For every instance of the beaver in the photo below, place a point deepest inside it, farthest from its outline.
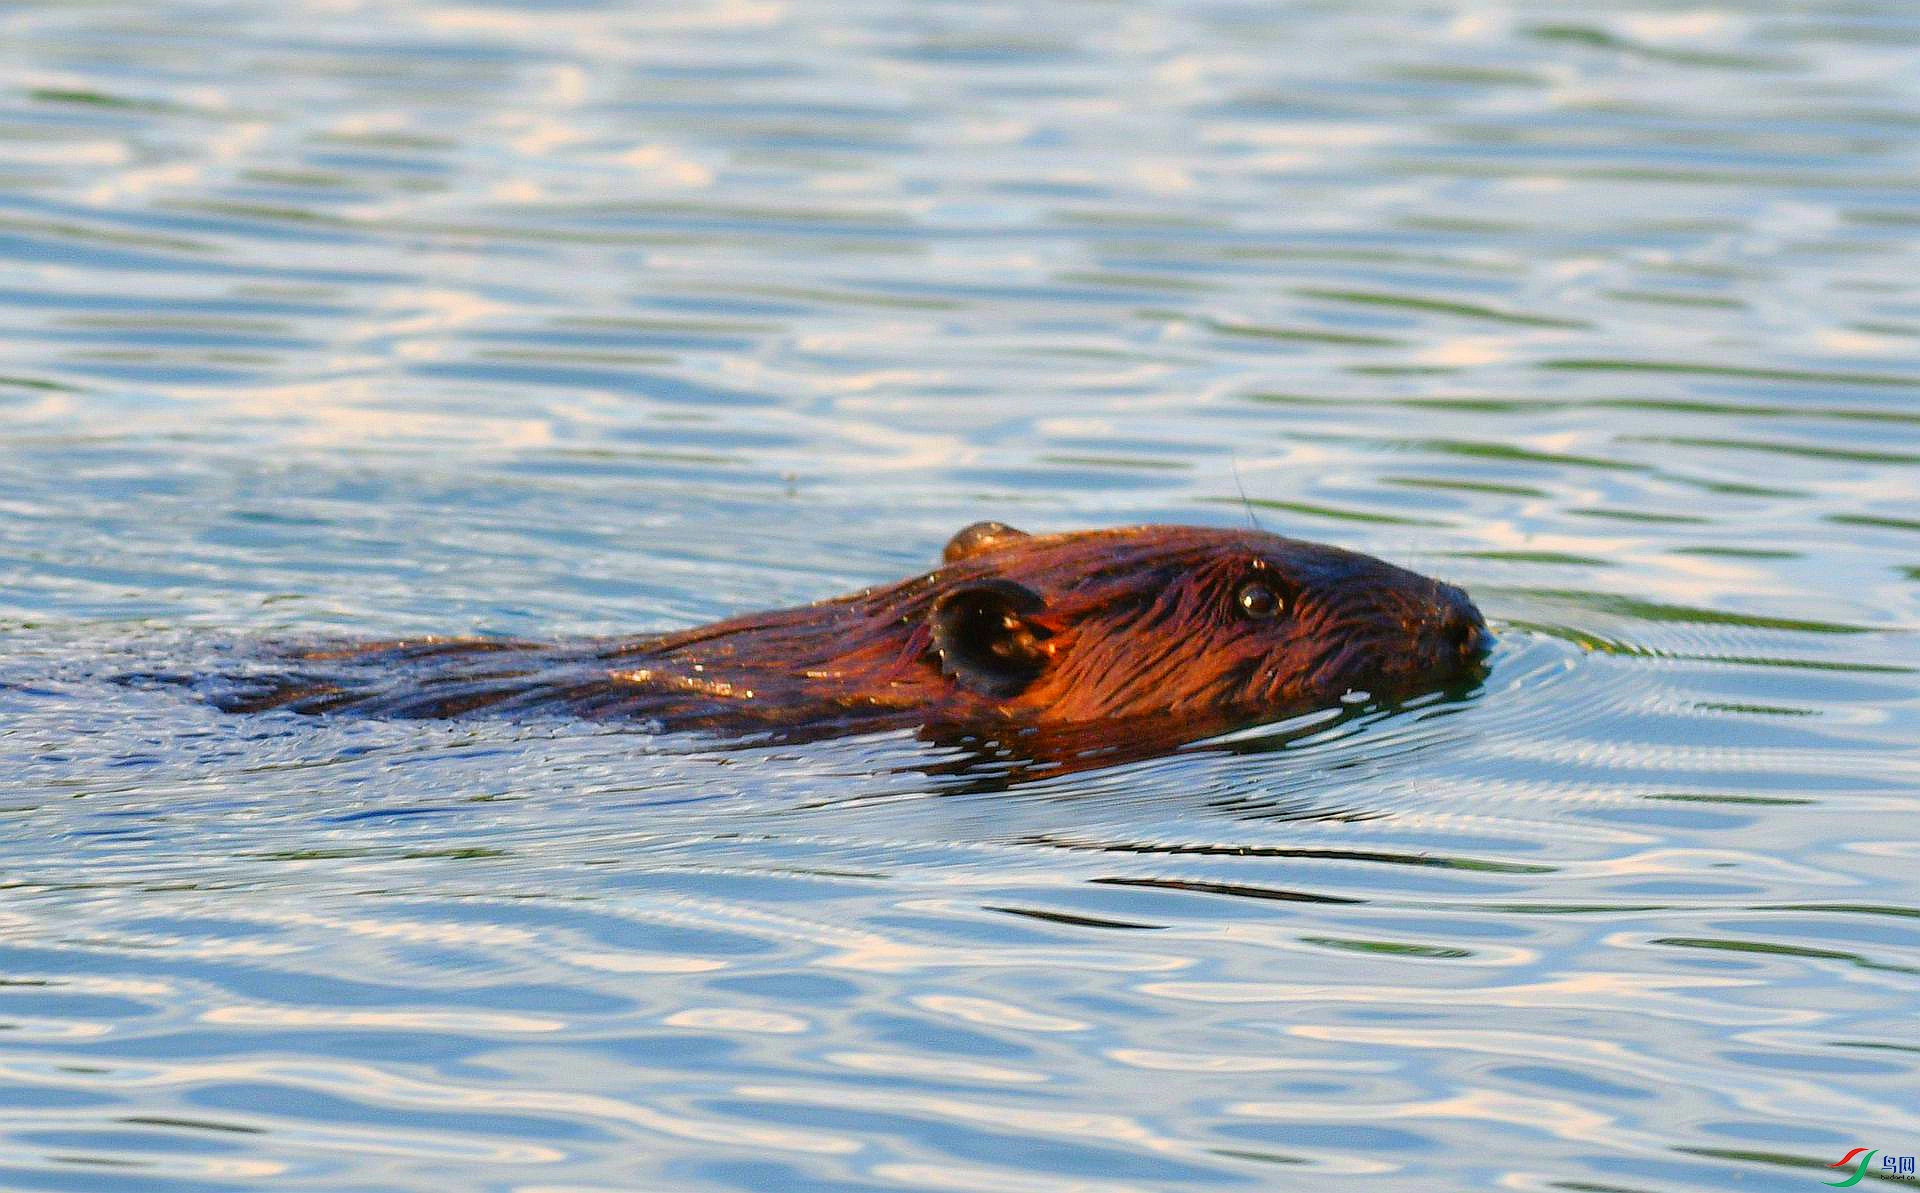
(1175, 626)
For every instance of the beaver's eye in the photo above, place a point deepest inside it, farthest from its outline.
(1257, 600)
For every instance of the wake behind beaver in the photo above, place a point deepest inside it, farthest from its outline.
(1171, 632)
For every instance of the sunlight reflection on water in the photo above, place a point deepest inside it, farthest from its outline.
(557, 319)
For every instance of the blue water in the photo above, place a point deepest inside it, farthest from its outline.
(550, 319)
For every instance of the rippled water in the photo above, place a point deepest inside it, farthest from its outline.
(552, 319)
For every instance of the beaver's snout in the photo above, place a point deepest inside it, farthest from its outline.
(1456, 633)
(1474, 641)
(1462, 631)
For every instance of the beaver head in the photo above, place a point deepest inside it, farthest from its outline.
(1183, 620)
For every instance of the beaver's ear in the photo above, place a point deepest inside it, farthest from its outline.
(986, 638)
(981, 536)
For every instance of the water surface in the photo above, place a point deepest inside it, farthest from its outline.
(548, 319)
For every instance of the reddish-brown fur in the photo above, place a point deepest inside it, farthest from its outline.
(1145, 624)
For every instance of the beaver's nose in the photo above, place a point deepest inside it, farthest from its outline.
(1474, 640)
(1462, 626)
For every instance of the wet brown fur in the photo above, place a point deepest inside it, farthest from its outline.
(1115, 626)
